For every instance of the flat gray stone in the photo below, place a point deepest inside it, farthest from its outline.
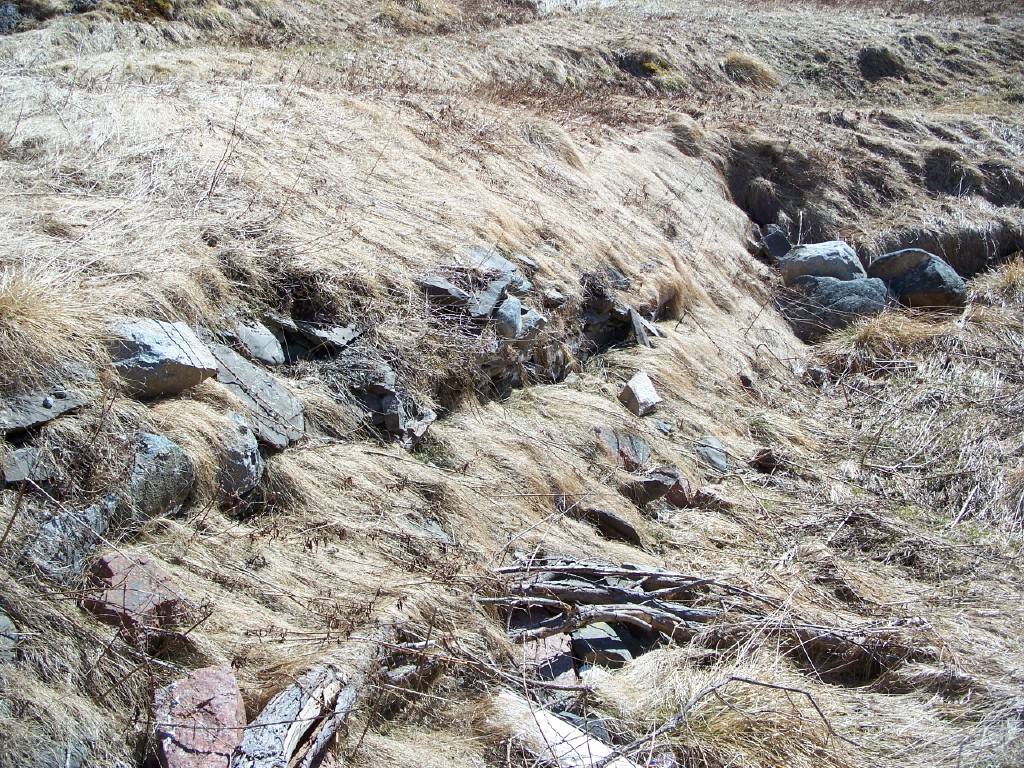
(328, 338)
(241, 466)
(158, 359)
(642, 330)
(532, 323)
(64, 543)
(711, 450)
(28, 464)
(601, 645)
(483, 304)
(610, 525)
(259, 343)
(553, 298)
(776, 243)
(8, 639)
(651, 486)
(629, 451)
(440, 291)
(508, 321)
(276, 416)
(639, 395)
(36, 408)
(833, 259)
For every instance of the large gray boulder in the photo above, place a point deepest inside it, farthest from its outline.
(817, 306)
(276, 416)
(159, 483)
(833, 259)
(157, 359)
(920, 279)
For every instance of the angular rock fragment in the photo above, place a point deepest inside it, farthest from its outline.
(33, 409)
(833, 259)
(259, 343)
(199, 719)
(532, 323)
(553, 298)
(276, 415)
(650, 487)
(508, 321)
(776, 244)
(639, 395)
(817, 306)
(602, 645)
(610, 525)
(628, 450)
(8, 639)
(157, 359)
(134, 593)
(325, 338)
(550, 659)
(712, 452)
(441, 292)
(642, 330)
(483, 304)
(241, 466)
(920, 279)
(29, 464)
(64, 543)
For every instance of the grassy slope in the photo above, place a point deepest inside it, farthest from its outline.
(191, 170)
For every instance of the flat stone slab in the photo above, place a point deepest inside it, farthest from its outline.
(28, 464)
(158, 359)
(601, 645)
(276, 416)
(199, 719)
(639, 395)
(629, 451)
(33, 409)
(711, 450)
(650, 487)
(611, 525)
(133, 592)
(259, 343)
(8, 639)
(332, 338)
(440, 291)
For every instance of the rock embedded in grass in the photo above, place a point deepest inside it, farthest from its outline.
(775, 243)
(920, 279)
(134, 593)
(200, 719)
(832, 259)
(639, 395)
(816, 306)
(711, 450)
(8, 639)
(630, 451)
(880, 61)
(259, 343)
(241, 466)
(33, 409)
(159, 359)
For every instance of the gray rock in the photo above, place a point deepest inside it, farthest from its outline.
(275, 414)
(610, 525)
(160, 481)
(259, 343)
(241, 467)
(640, 327)
(33, 409)
(878, 61)
(776, 243)
(28, 464)
(156, 359)
(9, 18)
(8, 639)
(650, 487)
(712, 452)
(532, 323)
(489, 260)
(833, 259)
(381, 380)
(602, 645)
(440, 291)
(639, 395)
(920, 279)
(816, 306)
(327, 338)
(508, 321)
(553, 298)
(483, 304)
(664, 427)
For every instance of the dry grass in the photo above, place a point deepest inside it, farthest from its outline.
(744, 69)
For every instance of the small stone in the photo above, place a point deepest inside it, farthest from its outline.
(601, 645)
(650, 487)
(327, 339)
(664, 427)
(440, 291)
(682, 496)
(508, 321)
(199, 719)
(766, 460)
(550, 659)
(776, 243)
(483, 304)
(8, 639)
(33, 409)
(833, 259)
(639, 395)
(158, 359)
(28, 465)
(259, 343)
(617, 279)
(532, 323)
(64, 542)
(553, 298)
(133, 592)
(628, 450)
(639, 329)
(276, 416)
(711, 450)
(160, 482)
(610, 525)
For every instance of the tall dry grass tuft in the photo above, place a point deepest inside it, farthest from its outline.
(882, 342)
(744, 69)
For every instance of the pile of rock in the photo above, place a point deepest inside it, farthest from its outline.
(828, 288)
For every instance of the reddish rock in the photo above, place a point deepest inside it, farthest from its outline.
(628, 450)
(199, 719)
(133, 592)
(551, 659)
(683, 496)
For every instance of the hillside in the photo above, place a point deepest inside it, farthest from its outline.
(315, 319)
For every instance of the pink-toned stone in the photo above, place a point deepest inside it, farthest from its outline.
(551, 659)
(133, 592)
(199, 719)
